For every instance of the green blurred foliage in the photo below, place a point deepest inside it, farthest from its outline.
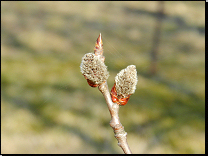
(47, 105)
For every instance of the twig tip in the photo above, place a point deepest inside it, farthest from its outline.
(98, 50)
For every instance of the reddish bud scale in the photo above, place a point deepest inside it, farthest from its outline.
(91, 83)
(117, 99)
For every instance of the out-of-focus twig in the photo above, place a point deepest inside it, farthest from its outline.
(156, 38)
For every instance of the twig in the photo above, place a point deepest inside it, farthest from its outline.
(115, 123)
(95, 72)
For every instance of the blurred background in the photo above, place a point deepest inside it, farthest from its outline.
(47, 105)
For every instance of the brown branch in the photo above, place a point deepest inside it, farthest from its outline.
(115, 123)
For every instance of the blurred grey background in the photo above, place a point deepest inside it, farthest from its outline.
(47, 105)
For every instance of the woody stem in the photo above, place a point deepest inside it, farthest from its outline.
(115, 123)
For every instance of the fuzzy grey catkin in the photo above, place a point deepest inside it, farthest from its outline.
(93, 68)
(126, 81)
